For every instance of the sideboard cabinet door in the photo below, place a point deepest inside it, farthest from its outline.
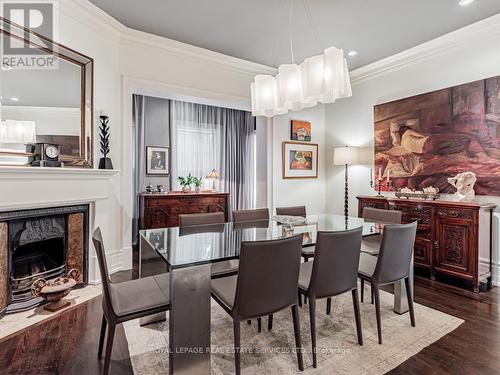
(452, 245)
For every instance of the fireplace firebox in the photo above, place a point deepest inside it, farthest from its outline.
(42, 243)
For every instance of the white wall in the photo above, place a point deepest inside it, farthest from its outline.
(466, 55)
(294, 192)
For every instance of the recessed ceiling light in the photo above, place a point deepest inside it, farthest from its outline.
(465, 2)
(14, 99)
(352, 53)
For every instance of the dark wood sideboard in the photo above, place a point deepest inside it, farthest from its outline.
(162, 210)
(454, 239)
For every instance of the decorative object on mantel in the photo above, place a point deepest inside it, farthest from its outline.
(185, 182)
(427, 193)
(157, 161)
(213, 175)
(104, 162)
(301, 131)
(380, 181)
(160, 188)
(346, 156)
(46, 155)
(464, 183)
(319, 79)
(299, 160)
(54, 290)
(197, 182)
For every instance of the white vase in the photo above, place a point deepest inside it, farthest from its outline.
(186, 189)
(197, 189)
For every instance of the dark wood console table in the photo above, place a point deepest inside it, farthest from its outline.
(453, 238)
(162, 210)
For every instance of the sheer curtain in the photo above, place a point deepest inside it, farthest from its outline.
(205, 138)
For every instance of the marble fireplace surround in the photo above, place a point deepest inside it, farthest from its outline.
(30, 188)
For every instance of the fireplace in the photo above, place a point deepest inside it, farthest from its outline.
(43, 243)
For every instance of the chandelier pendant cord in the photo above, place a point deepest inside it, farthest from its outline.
(290, 30)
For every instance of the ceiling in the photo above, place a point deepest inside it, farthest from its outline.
(257, 30)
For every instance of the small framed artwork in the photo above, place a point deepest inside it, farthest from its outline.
(300, 160)
(301, 131)
(157, 161)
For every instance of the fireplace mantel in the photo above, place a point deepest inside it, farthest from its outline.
(17, 172)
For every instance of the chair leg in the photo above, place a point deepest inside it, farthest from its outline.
(249, 322)
(237, 346)
(259, 325)
(410, 301)
(300, 299)
(101, 338)
(362, 290)
(312, 317)
(270, 322)
(328, 306)
(357, 316)
(376, 294)
(298, 341)
(371, 287)
(109, 348)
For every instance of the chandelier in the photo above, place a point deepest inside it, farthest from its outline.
(319, 79)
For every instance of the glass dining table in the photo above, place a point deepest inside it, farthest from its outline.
(189, 253)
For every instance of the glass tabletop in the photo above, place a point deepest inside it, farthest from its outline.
(195, 245)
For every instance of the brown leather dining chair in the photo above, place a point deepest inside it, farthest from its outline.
(391, 266)
(334, 271)
(371, 244)
(127, 300)
(307, 251)
(220, 269)
(266, 283)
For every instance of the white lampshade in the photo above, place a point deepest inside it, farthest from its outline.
(290, 87)
(346, 155)
(12, 131)
(334, 72)
(313, 70)
(265, 99)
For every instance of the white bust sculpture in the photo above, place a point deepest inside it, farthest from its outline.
(464, 182)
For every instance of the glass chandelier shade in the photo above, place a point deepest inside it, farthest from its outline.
(318, 79)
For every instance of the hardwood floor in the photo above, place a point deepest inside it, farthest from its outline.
(68, 344)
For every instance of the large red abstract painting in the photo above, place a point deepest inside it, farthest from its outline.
(425, 139)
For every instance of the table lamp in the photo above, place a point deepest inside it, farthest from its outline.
(213, 175)
(346, 156)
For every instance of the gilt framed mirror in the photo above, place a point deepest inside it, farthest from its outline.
(46, 97)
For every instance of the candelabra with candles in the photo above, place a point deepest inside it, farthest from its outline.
(380, 181)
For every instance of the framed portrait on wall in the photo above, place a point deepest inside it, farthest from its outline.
(299, 160)
(300, 131)
(157, 161)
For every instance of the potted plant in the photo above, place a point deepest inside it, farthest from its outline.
(197, 182)
(185, 182)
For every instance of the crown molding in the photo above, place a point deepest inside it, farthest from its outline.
(91, 16)
(482, 29)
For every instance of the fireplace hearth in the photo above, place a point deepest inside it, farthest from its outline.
(43, 243)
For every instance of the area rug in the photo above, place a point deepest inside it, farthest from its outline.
(272, 352)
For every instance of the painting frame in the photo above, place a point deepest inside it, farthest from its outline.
(307, 168)
(296, 126)
(162, 167)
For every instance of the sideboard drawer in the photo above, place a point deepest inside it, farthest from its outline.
(455, 213)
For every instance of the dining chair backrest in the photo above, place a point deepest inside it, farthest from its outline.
(291, 211)
(378, 215)
(201, 219)
(268, 277)
(396, 252)
(251, 215)
(336, 262)
(103, 268)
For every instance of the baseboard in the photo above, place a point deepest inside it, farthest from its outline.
(495, 277)
(118, 260)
